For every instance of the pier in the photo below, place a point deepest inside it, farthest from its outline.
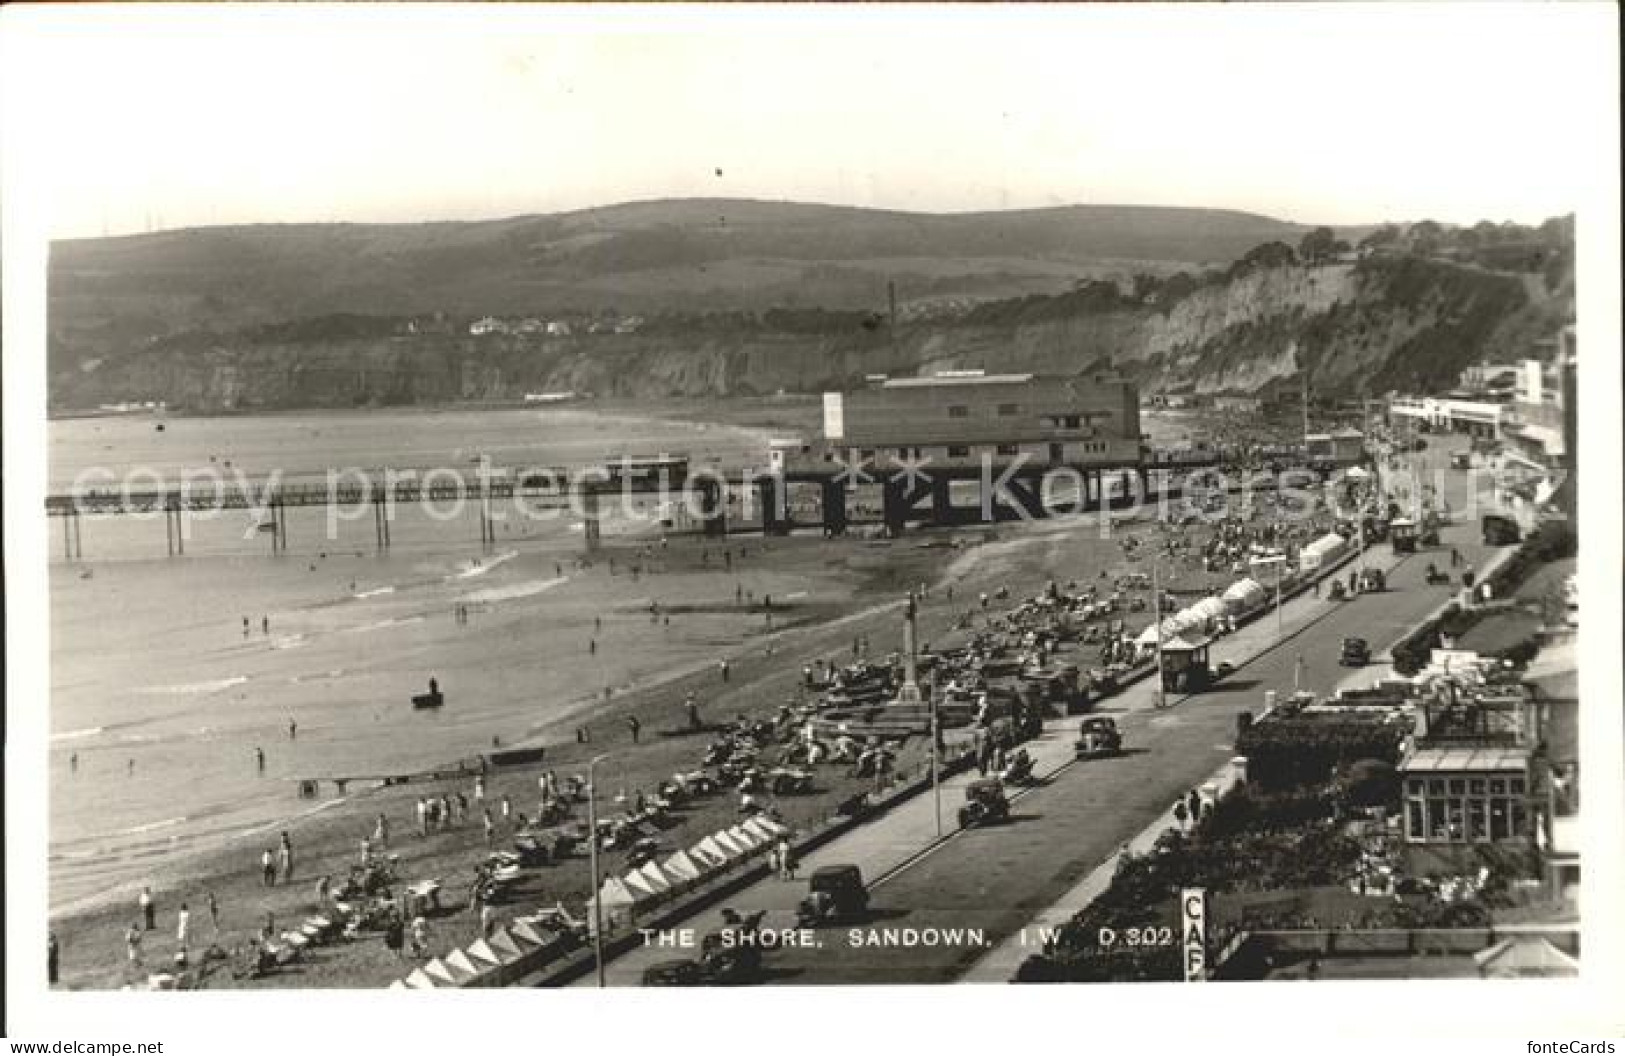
(908, 494)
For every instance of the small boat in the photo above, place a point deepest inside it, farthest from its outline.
(431, 699)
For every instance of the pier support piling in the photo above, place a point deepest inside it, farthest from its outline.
(833, 494)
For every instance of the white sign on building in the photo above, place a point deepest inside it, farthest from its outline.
(1193, 933)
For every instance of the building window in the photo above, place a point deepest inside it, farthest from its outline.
(867, 454)
(958, 410)
(1009, 449)
(1009, 410)
(958, 451)
(902, 452)
(1071, 421)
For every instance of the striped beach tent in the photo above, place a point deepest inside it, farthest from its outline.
(419, 981)
(657, 879)
(458, 962)
(681, 867)
(729, 843)
(442, 976)
(641, 889)
(523, 935)
(484, 957)
(766, 827)
(751, 841)
(397, 985)
(505, 946)
(709, 850)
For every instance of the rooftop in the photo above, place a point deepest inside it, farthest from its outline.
(956, 379)
(1466, 760)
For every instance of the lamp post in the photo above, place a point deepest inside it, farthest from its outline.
(936, 772)
(1156, 617)
(592, 847)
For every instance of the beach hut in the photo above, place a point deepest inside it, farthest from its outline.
(397, 985)
(680, 867)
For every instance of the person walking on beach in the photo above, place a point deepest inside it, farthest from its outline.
(324, 887)
(592, 647)
(462, 807)
(259, 759)
(366, 852)
(1194, 802)
(395, 935)
(287, 858)
(148, 908)
(380, 832)
(293, 730)
(183, 926)
(722, 666)
(692, 706)
(787, 859)
(132, 944)
(635, 726)
(267, 868)
(507, 809)
(214, 914)
(490, 827)
(479, 791)
(265, 625)
(423, 818)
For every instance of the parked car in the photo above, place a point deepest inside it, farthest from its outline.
(834, 893)
(1356, 652)
(984, 802)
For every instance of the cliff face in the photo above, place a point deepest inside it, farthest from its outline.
(1386, 323)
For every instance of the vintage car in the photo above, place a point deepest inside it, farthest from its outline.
(1356, 652)
(984, 802)
(834, 893)
(1098, 737)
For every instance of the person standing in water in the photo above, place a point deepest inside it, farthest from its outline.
(265, 625)
(259, 759)
(293, 729)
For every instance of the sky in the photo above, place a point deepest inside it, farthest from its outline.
(139, 118)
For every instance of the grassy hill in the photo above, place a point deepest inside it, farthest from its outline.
(681, 254)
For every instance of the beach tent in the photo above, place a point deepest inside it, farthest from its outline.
(613, 899)
(640, 888)
(1211, 608)
(464, 968)
(681, 867)
(484, 956)
(442, 975)
(1170, 627)
(732, 847)
(419, 981)
(397, 985)
(1244, 594)
(767, 828)
(710, 851)
(1321, 551)
(522, 934)
(656, 879)
(1356, 473)
(747, 839)
(505, 946)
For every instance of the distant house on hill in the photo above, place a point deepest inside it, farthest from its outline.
(1242, 404)
(558, 328)
(488, 325)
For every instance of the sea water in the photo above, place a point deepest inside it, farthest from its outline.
(159, 698)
